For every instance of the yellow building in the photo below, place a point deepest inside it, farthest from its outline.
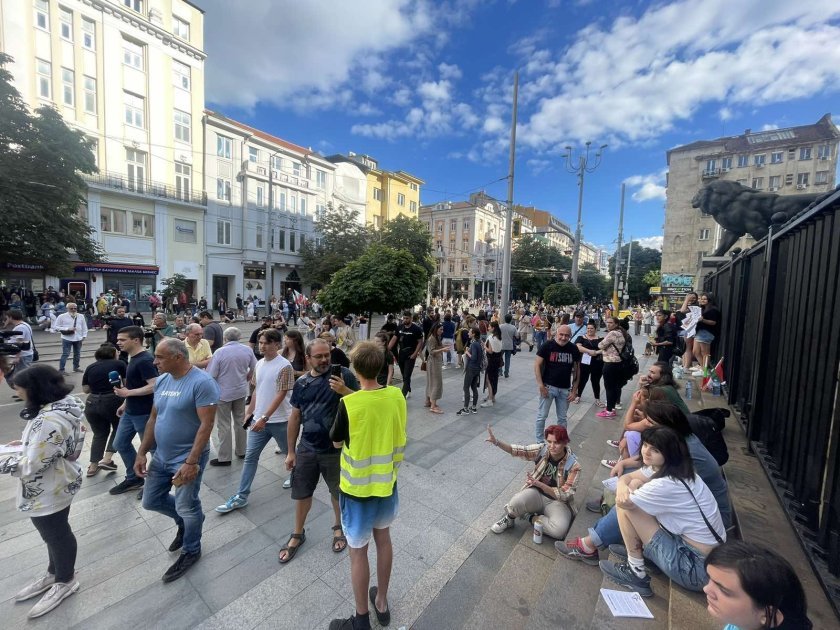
(389, 193)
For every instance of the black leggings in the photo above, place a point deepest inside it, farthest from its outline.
(101, 414)
(491, 376)
(61, 544)
(613, 382)
(471, 378)
(406, 364)
(594, 369)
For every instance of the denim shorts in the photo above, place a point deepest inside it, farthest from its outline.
(360, 517)
(678, 560)
(704, 336)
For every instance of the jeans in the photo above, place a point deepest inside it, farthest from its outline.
(507, 354)
(539, 339)
(449, 344)
(184, 507)
(256, 443)
(130, 425)
(406, 364)
(65, 352)
(472, 376)
(678, 560)
(606, 531)
(561, 405)
(61, 544)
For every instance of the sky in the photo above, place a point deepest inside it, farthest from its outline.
(426, 87)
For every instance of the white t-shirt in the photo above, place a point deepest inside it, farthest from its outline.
(495, 344)
(271, 379)
(24, 337)
(672, 505)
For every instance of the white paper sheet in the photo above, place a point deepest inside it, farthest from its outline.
(585, 359)
(626, 604)
(14, 449)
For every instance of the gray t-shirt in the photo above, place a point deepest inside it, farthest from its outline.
(508, 333)
(214, 335)
(177, 401)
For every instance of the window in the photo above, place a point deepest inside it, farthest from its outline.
(824, 151)
(260, 196)
(253, 154)
(67, 84)
(743, 160)
(802, 179)
(303, 206)
(320, 178)
(452, 266)
(466, 226)
(183, 126)
(400, 199)
(142, 224)
(320, 209)
(453, 225)
(296, 169)
(710, 166)
(223, 145)
(821, 177)
(111, 220)
(132, 54)
(134, 110)
(181, 28)
(805, 153)
(180, 75)
(259, 237)
(276, 162)
(758, 183)
(776, 157)
(412, 206)
(185, 231)
(223, 188)
(42, 14)
(282, 201)
(223, 232)
(281, 239)
(291, 241)
(136, 169)
(65, 19)
(439, 226)
(464, 267)
(292, 204)
(44, 71)
(789, 179)
(377, 194)
(134, 5)
(775, 182)
(90, 95)
(88, 34)
(760, 160)
(413, 186)
(183, 180)
(704, 234)
(792, 153)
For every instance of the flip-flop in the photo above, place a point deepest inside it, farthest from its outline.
(91, 473)
(436, 410)
(291, 551)
(576, 400)
(339, 539)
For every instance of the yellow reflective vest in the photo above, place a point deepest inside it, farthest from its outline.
(377, 420)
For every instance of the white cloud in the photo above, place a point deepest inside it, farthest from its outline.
(538, 166)
(725, 113)
(653, 242)
(449, 71)
(647, 187)
(769, 127)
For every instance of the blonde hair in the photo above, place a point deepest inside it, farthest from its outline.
(367, 358)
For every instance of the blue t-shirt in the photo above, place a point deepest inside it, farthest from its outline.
(141, 367)
(448, 329)
(318, 404)
(176, 401)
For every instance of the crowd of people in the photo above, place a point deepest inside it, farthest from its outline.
(325, 397)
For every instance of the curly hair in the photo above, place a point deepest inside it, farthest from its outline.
(43, 385)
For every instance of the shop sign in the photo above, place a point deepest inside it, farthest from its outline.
(23, 266)
(134, 271)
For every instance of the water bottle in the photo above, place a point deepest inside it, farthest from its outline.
(538, 527)
(688, 389)
(715, 385)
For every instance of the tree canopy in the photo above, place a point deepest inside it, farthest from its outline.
(381, 280)
(535, 265)
(561, 294)
(642, 260)
(41, 189)
(411, 235)
(343, 237)
(592, 284)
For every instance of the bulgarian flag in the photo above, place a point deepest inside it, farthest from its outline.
(707, 374)
(299, 298)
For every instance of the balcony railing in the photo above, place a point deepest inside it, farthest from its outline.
(119, 181)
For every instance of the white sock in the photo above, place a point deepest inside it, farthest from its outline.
(637, 565)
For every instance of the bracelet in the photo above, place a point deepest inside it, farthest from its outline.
(190, 463)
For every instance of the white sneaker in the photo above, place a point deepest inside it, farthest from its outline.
(487, 403)
(53, 597)
(504, 523)
(37, 587)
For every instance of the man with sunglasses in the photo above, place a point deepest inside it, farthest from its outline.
(557, 370)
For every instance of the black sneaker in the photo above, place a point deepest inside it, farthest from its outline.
(179, 540)
(473, 409)
(181, 566)
(463, 412)
(351, 623)
(127, 485)
(384, 618)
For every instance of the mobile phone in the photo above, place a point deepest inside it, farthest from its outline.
(248, 421)
(335, 370)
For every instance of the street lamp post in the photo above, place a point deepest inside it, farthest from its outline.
(580, 170)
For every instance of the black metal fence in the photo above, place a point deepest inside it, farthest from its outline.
(780, 339)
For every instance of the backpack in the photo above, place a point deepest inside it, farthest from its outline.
(629, 363)
(707, 425)
(459, 340)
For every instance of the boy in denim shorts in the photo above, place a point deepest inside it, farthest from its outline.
(369, 429)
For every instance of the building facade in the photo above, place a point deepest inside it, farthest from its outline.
(129, 74)
(263, 196)
(781, 161)
(389, 193)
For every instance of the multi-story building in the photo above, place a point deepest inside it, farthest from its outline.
(129, 74)
(264, 194)
(468, 243)
(557, 233)
(351, 184)
(389, 193)
(782, 161)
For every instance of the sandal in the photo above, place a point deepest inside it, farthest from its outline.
(338, 540)
(598, 403)
(107, 465)
(291, 551)
(92, 470)
(576, 400)
(437, 410)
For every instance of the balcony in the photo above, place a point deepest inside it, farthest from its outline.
(261, 170)
(711, 172)
(148, 188)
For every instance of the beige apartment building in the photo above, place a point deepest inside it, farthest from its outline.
(129, 74)
(787, 161)
(558, 234)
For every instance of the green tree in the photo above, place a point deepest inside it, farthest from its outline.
(535, 265)
(381, 280)
(561, 294)
(172, 287)
(41, 189)
(411, 235)
(652, 278)
(593, 285)
(343, 238)
(642, 260)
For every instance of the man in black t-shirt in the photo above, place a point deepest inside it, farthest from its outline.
(113, 327)
(409, 337)
(213, 332)
(138, 393)
(557, 369)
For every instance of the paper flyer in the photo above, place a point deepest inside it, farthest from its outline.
(626, 604)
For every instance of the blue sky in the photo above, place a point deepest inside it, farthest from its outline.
(425, 86)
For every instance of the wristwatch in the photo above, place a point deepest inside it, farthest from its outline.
(262, 417)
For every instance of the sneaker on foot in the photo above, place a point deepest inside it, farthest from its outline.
(613, 443)
(618, 407)
(52, 598)
(488, 403)
(609, 463)
(473, 409)
(37, 587)
(503, 524)
(287, 484)
(234, 503)
(574, 551)
(623, 575)
(606, 414)
(126, 485)
(464, 411)
(620, 551)
(595, 505)
(181, 566)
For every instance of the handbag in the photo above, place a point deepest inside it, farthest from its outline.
(72, 331)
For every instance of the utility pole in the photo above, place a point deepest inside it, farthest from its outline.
(617, 270)
(269, 236)
(627, 276)
(505, 294)
(580, 170)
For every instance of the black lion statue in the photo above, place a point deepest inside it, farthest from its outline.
(740, 210)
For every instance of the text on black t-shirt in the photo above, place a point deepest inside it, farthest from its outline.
(558, 363)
